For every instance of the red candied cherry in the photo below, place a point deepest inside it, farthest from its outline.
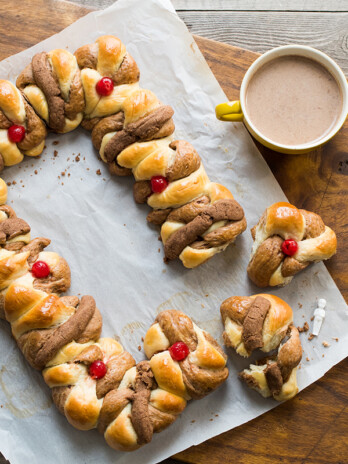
(97, 370)
(40, 270)
(289, 247)
(105, 86)
(16, 133)
(158, 184)
(179, 351)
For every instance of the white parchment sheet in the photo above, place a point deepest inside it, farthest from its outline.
(116, 257)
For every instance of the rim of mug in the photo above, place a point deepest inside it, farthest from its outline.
(308, 52)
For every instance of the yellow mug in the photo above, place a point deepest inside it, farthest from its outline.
(236, 110)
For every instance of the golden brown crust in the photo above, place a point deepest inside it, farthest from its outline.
(268, 264)
(52, 84)
(14, 109)
(260, 321)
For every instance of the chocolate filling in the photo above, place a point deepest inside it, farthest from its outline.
(116, 368)
(265, 261)
(253, 324)
(11, 228)
(141, 191)
(158, 216)
(144, 383)
(186, 161)
(40, 346)
(274, 378)
(35, 247)
(45, 80)
(178, 327)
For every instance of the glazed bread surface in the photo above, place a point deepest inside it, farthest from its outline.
(268, 265)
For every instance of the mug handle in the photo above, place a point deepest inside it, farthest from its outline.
(229, 111)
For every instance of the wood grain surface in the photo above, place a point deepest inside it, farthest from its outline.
(313, 427)
(259, 25)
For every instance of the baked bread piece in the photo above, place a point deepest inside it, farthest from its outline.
(255, 322)
(15, 111)
(269, 265)
(276, 376)
(52, 84)
(3, 191)
(127, 402)
(199, 218)
(264, 322)
(106, 57)
(200, 372)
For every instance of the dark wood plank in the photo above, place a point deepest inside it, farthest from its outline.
(311, 428)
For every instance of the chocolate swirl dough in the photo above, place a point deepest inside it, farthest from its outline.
(133, 132)
(52, 84)
(15, 110)
(264, 322)
(282, 221)
(60, 336)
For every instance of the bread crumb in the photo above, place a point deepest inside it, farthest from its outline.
(211, 420)
(9, 183)
(326, 344)
(139, 348)
(207, 295)
(142, 339)
(335, 338)
(98, 172)
(312, 318)
(77, 158)
(63, 173)
(55, 142)
(193, 421)
(307, 359)
(323, 356)
(305, 328)
(35, 172)
(300, 305)
(311, 336)
(14, 182)
(55, 153)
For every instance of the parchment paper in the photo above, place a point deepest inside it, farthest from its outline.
(115, 256)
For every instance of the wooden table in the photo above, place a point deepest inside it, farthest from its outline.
(313, 427)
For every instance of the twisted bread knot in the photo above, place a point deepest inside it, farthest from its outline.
(107, 57)
(276, 376)
(52, 85)
(141, 117)
(255, 322)
(262, 322)
(14, 110)
(282, 221)
(203, 370)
